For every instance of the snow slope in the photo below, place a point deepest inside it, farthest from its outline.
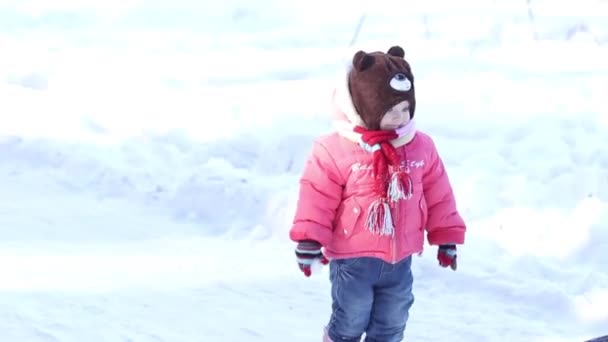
(150, 152)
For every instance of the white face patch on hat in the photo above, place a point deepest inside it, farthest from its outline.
(401, 83)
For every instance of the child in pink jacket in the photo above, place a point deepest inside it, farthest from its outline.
(367, 195)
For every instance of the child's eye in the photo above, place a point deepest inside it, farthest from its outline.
(401, 82)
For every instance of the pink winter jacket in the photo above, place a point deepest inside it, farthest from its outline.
(337, 188)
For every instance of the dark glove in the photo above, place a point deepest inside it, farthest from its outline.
(307, 252)
(447, 256)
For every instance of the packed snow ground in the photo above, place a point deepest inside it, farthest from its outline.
(149, 158)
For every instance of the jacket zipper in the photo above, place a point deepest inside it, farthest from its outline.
(422, 227)
(396, 221)
(394, 240)
(394, 235)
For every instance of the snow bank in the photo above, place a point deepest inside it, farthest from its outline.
(221, 185)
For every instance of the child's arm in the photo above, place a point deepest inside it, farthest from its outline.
(444, 225)
(319, 197)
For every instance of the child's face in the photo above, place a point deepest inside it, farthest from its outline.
(396, 117)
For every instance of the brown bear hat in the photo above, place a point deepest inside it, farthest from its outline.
(377, 82)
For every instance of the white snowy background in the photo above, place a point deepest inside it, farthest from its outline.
(150, 153)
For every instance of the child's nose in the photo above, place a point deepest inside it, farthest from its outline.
(396, 115)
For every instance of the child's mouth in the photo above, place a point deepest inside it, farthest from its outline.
(396, 127)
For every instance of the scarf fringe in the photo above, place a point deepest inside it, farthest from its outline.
(380, 220)
(397, 189)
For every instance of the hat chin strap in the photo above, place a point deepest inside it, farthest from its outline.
(408, 128)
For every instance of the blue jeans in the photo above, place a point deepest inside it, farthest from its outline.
(369, 296)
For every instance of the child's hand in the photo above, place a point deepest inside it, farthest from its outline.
(307, 253)
(447, 256)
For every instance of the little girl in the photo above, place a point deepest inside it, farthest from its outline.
(367, 194)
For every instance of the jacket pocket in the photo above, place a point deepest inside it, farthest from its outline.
(348, 217)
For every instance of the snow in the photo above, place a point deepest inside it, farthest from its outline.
(150, 152)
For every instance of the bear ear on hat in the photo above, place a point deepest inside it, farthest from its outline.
(362, 60)
(396, 51)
